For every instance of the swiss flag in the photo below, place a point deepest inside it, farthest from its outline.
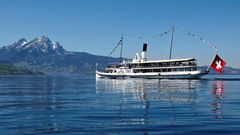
(218, 64)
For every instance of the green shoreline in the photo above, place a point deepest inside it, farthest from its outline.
(8, 69)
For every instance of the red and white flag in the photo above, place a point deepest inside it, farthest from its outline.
(218, 64)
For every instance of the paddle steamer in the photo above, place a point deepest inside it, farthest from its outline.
(141, 67)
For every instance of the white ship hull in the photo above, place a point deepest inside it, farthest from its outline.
(155, 75)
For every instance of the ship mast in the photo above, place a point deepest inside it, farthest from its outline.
(170, 56)
(121, 43)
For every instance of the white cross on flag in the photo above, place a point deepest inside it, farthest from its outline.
(218, 64)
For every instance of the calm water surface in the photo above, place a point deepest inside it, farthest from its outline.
(83, 105)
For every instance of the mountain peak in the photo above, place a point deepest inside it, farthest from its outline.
(43, 38)
(21, 41)
(44, 44)
(56, 45)
(40, 46)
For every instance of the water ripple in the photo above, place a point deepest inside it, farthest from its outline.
(83, 105)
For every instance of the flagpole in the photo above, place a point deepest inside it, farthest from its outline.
(211, 63)
(212, 60)
(170, 56)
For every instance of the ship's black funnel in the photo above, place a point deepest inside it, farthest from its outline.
(144, 47)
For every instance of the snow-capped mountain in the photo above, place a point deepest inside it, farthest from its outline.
(42, 45)
(45, 55)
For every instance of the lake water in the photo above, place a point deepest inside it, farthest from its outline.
(67, 105)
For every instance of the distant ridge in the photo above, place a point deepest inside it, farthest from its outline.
(226, 70)
(44, 55)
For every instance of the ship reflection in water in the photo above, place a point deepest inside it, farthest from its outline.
(173, 91)
(158, 101)
(176, 104)
(218, 94)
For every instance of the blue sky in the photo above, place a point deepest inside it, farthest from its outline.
(95, 26)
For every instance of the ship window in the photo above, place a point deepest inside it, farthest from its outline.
(192, 63)
(181, 69)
